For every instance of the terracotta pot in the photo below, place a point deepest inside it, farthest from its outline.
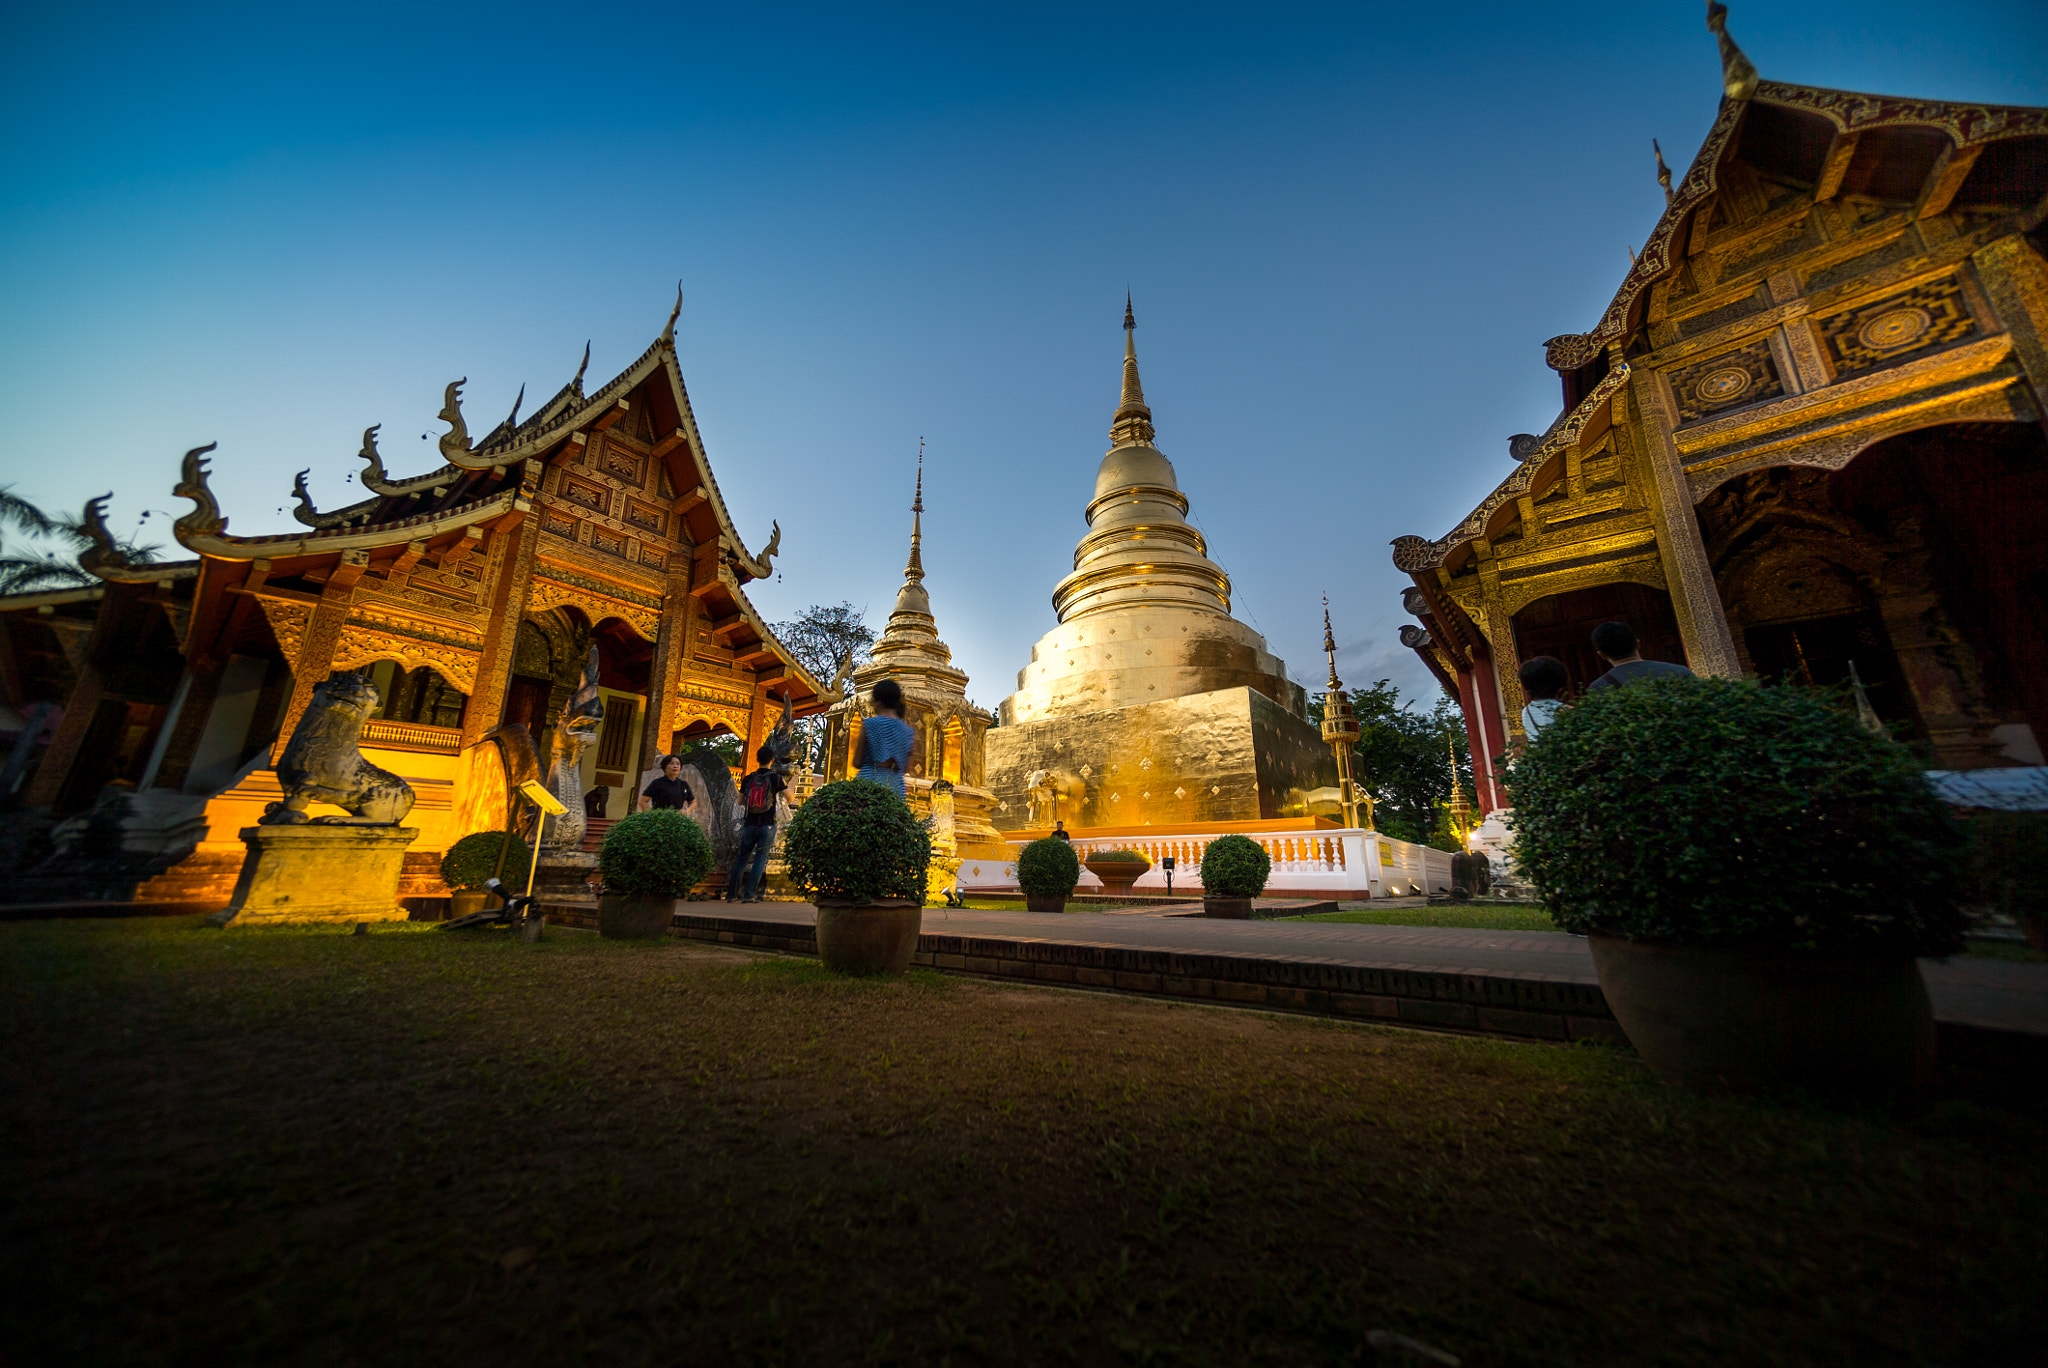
(466, 902)
(1117, 875)
(1034, 903)
(634, 916)
(1233, 909)
(1748, 1020)
(868, 938)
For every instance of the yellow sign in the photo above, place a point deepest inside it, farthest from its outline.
(537, 794)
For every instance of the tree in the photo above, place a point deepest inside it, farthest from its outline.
(1403, 759)
(28, 569)
(820, 638)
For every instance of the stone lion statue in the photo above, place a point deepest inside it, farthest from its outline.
(322, 762)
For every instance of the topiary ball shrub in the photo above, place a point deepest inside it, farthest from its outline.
(1718, 812)
(659, 853)
(1048, 868)
(473, 861)
(856, 842)
(1235, 867)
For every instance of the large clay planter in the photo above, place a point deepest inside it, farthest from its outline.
(868, 938)
(1034, 903)
(466, 902)
(634, 916)
(1117, 875)
(1230, 909)
(1751, 1020)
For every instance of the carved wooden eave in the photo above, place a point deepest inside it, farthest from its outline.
(1850, 113)
(1415, 554)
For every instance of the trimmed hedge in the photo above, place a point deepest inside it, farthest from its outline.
(658, 853)
(1235, 867)
(1720, 812)
(1124, 856)
(473, 861)
(856, 842)
(1048, 868)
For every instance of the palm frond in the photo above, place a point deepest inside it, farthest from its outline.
(34, 574)
(23, 516)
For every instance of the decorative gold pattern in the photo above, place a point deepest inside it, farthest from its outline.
(1747, 375)
(587, 493)
(360, 644)
(288, 624)
(1921, 319)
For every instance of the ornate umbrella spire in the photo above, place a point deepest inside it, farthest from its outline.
(914, 570)
(1133, 421)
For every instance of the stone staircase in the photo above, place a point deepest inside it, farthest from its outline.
(593, 834)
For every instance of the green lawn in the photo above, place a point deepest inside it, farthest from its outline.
(1476, 916)
(420, 1147)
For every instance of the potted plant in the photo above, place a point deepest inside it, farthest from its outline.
(857, 851)
(1756, 875)
(474, 861)
(648, 860)
(1047, 871)
(1234, 870)
(1118, 869)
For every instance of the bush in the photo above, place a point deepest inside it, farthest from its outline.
(658, 853)
(2008, 864)
(856, 842)
(473, 861)
(1235, 867)
(1048, 868)
(1718, 812)
(1125, 856)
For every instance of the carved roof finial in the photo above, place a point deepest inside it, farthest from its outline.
(1133, 420)
(205, 518)
(668, 334)
(455, 441)
(576, 384)
(1738, 77)
(1663, 173)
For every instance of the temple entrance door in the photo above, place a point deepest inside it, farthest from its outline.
(1562, 626)
(624, 669)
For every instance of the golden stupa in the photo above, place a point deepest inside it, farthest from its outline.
(1149, 704)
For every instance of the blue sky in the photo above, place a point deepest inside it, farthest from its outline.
(1348, 231)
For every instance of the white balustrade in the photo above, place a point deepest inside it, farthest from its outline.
(1348, 862)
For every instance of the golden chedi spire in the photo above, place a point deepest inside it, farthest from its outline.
(1738, 77)
(909, 650)
(1133, 421)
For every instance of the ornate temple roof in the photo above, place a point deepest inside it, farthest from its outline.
(1934, 154)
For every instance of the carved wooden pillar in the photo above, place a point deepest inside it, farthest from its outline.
(486, 707)
(1695, 599)
(2015, 277)
(315, 662)
(664, 678)
(1939, 666)
(1500, 636)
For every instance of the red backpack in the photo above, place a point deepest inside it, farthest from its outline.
(757, 795)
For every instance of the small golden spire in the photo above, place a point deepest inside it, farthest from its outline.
(1330, 646)
(1663, 173)
(914, 569)
(1133, 421)
(1738, 77)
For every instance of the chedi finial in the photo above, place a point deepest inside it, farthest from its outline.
(1663, 173)
(1133, 421)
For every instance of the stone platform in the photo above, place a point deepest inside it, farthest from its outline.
(1526, 984)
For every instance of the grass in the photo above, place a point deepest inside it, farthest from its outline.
(288, 1147)
(1474, 916)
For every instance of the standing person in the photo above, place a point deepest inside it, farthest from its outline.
(1059, 833)
(888, 747)
(1616, 643)
(758, 792)
(667, 789)
(1543, 679)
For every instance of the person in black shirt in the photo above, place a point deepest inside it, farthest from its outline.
(668, 790)
(1059, 833)
(758, 792)
(1616, 644)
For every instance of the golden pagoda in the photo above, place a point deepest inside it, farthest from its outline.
(1149, 704)
(936, 706)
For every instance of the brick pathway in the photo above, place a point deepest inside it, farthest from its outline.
(1995, 994)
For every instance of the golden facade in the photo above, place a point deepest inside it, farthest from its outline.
(473, 594)
(1147, 671)
(1804, 439)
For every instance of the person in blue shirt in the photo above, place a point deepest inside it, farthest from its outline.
(1616, 643)
(888, 747)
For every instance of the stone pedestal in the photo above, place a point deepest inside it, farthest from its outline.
(317, 873)
(563, 881)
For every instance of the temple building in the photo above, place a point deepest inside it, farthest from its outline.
(471, 595)
(1804, 442)
(1149, 703)
(936, 706)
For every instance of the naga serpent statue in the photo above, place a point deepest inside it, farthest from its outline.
(322, 763)
(581, 717)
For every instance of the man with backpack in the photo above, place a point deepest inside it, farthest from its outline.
(758, 792)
